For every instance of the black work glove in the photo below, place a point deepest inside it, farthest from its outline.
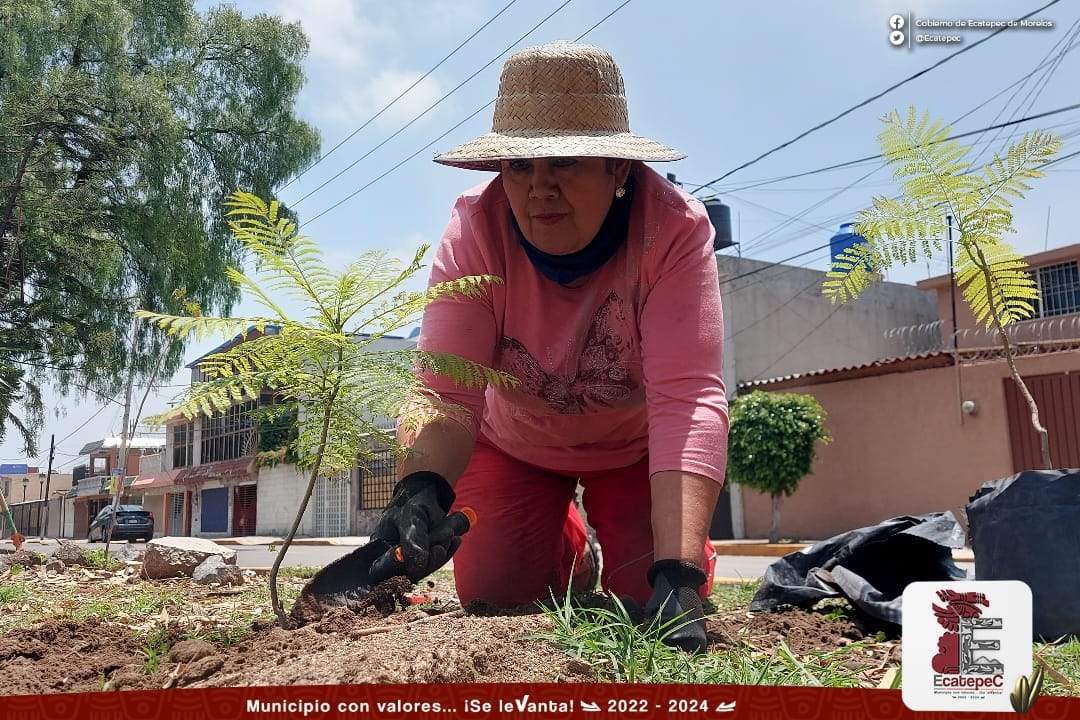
(420, 536)
(676, 605)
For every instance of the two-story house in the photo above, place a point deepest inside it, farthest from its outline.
(213, 487)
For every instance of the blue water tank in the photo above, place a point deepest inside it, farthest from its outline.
(843, 240)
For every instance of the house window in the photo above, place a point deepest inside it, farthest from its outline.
(377, 480)
(183, 434)
(1059, 289)
(230, 435)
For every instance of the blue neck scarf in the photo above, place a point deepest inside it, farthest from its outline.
(564, 269)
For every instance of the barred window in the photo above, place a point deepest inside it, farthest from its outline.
(183, 435)
(229, 435)
(1059, 289)
(377, 480)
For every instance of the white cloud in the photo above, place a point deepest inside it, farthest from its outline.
(339, 35)
(357, 102)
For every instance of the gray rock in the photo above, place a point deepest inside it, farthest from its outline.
(214, 571)
(169, 557)
(55, 566)
(70, 554)
(26, 558)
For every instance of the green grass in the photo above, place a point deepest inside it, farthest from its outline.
(100, 560)
(619, 650)
(155, 646)
(12, 593)
(1063, 660)
(725, 597)
(301, 572)
(609, 641)
(606, 638)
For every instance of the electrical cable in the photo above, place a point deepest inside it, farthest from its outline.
(431, 107)
(1039, 86)
(803, 339)
(69, 436)
(869, 158)
(465, 120)
(404, 92)
(768, 233)
(877, 96)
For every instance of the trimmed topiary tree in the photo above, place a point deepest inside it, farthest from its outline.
(771, 444)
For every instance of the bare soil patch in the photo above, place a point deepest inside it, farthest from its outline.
(392, 639)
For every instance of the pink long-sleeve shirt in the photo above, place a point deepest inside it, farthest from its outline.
(625, 365)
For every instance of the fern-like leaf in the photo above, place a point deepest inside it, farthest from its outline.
(1009, 291)
(1007, 178)
(852, 272)
(938, 181)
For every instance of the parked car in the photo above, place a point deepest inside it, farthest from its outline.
(133, 522)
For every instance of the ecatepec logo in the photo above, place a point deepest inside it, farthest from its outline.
(965, 644)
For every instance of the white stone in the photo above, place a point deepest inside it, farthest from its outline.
(179, 556)
(214, 571)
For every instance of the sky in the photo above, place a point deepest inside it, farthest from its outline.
(724, 82)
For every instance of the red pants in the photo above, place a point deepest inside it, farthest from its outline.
(529, 534)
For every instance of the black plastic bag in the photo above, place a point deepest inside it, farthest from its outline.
(869, 566)
(1027, 527)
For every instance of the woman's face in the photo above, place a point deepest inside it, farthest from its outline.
(560, 203)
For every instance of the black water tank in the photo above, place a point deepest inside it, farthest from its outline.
(720, 217)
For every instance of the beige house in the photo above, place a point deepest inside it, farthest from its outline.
(35, 501)
(922, 431)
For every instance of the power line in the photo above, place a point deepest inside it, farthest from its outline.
(878, 96)
(1066, 45)
(431, 107)
(870, 158)
(72, 433)
(404, 92)
(359, 190)
(827, 245)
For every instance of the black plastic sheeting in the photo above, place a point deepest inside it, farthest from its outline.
(1027, 527)
(870, 566)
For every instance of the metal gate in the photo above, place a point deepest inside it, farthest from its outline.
(1058, 398)
(332, 506)
(175, 523)
(244, 510)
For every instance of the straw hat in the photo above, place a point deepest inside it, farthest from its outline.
(557, 100)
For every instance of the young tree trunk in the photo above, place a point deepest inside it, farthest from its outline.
(774, 531)
(1006, 344)
(313, 476)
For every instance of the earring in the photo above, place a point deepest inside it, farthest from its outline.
(620, 192)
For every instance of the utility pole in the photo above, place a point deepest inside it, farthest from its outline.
(45, 495)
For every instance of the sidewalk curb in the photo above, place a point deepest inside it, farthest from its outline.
(756, 548)
(729, 548)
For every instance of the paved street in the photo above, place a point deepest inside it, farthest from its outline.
(735, 567)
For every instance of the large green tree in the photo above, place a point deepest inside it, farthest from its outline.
(123, 126)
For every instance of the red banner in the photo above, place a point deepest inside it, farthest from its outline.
(686, 702)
